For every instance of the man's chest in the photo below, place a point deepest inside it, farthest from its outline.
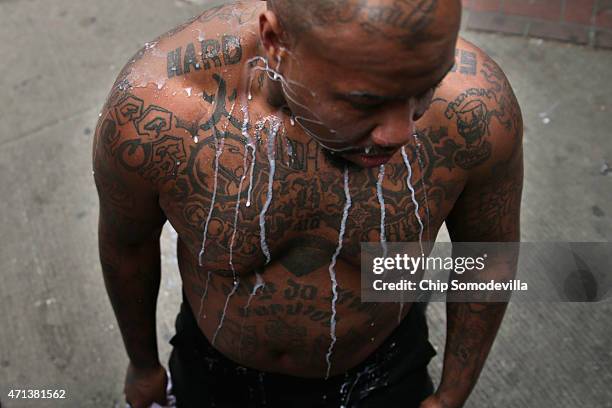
(233, 205)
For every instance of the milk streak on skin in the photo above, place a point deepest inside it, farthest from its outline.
(259, 284)
(208, 278)
(245, 134)
(275, 125)
(249, 143)
(250, 193)
(422, 168)
(287, 91)
(290, 153)
(274, 75)
(218, 152)
(381, 201)
(416, 214)
(332, 270)
(219, 145)
(227, 300)
(413, 196)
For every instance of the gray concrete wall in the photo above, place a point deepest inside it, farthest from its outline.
(57, 329)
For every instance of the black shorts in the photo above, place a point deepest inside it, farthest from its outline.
(395, 375)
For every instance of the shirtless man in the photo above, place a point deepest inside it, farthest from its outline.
(268, 133)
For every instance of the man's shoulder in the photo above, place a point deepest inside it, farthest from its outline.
(170, 94)
(189, 60)
(476, 110)
(178, 76)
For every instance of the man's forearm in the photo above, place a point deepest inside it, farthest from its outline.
(132, 278)
(471, 330)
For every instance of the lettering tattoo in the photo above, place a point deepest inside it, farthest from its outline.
(212, 54)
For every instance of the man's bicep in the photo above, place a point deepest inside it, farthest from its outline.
(128, 226)
(490, 212)
(488, 117)
(129, 206)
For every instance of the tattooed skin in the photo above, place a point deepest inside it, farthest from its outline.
(155, 155)
(402, 21)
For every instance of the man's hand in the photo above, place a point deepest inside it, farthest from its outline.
(434, 402)
(144, 387)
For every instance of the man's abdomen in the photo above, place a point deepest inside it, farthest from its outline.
(277, 319)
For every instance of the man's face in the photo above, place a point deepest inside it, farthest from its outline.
(360, 97)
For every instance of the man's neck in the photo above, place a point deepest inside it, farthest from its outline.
(271, 91)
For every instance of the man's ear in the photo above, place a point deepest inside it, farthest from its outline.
(272, 34)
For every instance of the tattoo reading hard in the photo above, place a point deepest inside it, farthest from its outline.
(212, 53)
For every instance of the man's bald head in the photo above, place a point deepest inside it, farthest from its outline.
(359, 72)
(401, 21)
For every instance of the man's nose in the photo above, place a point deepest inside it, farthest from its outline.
(395, 127)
